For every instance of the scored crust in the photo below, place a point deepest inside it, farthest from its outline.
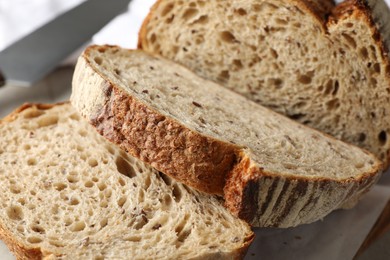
(267, 200)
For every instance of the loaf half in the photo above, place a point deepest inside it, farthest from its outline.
(67, 193)
(323, 65)
(271, 170)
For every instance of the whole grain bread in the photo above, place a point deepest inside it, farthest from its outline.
(67, 193)
(323, 65)
(271, 170)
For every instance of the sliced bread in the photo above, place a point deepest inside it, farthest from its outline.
(67, 193)
(271, 170)
(326, 66)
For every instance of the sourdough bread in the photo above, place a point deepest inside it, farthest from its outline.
(271, 170)
(67, 193)
(323, 65)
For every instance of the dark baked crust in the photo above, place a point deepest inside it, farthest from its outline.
(242, 195)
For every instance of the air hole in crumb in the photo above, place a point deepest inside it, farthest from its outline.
(336, 88)
(133, 239)
(332, 104)
(34, 240)
(33, 114)
(190, 13)
(361, 137)
(304, 79)
(184, 235)
(227, 37)
(60, 186)
(176, 192)
(152, 38)
(92, 162)
(15, 189)
(377, 68)
(351, 41)
(122, 201)
(281, 21)
(78, 226)
(74, 201)
(38, 229)
(102, 186)
(103, 222)
(121, 182)
(72, 179)
(26, 147)
(117, 72)
(48, 121)
(32, 162)
(15, 212)
(274, 53)
(83, 133)
(124, 167)
(382, 137)
(328, 87)
(359, 165)
(201, 20)
(237, 64)
(147, 182)
(98, 60)
(363, 53)
(167, 9)
(22, 201)
(241, 11)
(167, 201)
(166, 179)
(224, 75)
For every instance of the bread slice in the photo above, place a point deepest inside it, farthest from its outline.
(323, 65)
(272, 170)
(67, 193)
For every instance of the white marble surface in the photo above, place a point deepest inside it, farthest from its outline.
(338, 236)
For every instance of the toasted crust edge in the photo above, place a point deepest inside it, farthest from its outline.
(243, 200)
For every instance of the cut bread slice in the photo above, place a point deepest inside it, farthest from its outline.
(272, 170)
(321, 65)
(67, 193)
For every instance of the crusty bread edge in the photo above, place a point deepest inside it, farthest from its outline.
(243, 200)
(109, 107)
(102, 123)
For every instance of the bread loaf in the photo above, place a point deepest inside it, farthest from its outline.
(323, 65)
(67, 193)
(271, 170)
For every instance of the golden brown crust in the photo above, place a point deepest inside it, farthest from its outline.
(176, 150)
(196, 160)
(20, 251)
